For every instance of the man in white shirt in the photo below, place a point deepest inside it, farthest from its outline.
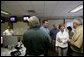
(61, 41)
(8, 31)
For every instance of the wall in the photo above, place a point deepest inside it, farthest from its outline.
(70, 21)
(19, 28)
(51, 22)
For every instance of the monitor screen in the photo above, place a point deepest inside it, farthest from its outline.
(13, 19)
(26, 18)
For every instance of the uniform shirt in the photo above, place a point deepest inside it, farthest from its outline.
(61, 39)
(7, 32)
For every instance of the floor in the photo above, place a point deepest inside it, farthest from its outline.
(6, 52)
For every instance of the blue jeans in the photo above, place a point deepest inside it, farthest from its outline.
(62, 51)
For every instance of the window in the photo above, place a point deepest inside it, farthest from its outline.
(69, 23)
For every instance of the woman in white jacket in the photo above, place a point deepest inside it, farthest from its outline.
(62, 41)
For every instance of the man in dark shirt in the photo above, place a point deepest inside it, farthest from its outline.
(53, 33)
(36, 41)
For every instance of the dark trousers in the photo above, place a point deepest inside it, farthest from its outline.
(76, 53)
(69, 50)
(1, 45)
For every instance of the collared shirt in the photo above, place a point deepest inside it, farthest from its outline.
(77, 40)
(7, 32)
(45, 30)
(61, 39)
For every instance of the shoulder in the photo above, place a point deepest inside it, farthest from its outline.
(79, 29)
(66, 32)
(41, 27)
(72, 32)
(43, 32)
(27, 31)
(58, 32)
(6, 30)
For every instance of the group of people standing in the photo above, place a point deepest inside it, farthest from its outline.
(67, 42)
(38, 39)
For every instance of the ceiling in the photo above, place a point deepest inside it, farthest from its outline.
(43, 9)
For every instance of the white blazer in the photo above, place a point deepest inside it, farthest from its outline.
(61, 39)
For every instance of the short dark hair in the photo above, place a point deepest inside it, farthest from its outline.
(69, 28)
(44, 21)
(60, 25)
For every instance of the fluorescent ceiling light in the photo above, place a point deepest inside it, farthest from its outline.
(4, 12)
(77, 9)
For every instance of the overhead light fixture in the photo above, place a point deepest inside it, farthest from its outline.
(3, 12)
(77, 8)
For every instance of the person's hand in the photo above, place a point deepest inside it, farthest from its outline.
(59, 40)
(68, 40)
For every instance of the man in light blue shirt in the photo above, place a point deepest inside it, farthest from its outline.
(44, 27)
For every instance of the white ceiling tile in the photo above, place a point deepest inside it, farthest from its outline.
(42, 8)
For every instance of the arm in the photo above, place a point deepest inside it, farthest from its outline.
(58, 40)
(78, 43)
(66, 38)
(47, 44)
(4, 33)
(12, 32)
(77, 39)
